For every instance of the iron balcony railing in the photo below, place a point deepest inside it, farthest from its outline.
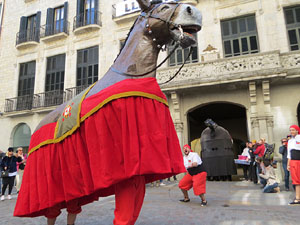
(18, 103)
(87, 18)
(72, 92)
(59, 26)
(28, 35)
(49, 98)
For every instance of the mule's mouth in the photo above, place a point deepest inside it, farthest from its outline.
(185, 34)
(191, 30)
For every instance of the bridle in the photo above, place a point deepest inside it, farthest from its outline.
(169, 23)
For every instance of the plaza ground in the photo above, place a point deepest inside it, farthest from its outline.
(229, 203)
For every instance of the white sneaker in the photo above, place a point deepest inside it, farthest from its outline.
(162, 184)
(9, 197)
(2, 198)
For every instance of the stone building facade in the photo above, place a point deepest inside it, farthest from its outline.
(244, 72)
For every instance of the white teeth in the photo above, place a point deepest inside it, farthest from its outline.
(181, 31)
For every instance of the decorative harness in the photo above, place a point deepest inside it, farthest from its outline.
(168, 22)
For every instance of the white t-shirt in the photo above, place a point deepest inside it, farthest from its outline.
(191, 158)
(294, 143)
(246, 152)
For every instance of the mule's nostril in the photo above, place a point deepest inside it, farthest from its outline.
(189, 10)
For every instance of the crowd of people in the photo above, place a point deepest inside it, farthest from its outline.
(258, 154)
(12, 166)
(261, 168)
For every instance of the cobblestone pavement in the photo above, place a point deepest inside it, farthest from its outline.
(229, 203)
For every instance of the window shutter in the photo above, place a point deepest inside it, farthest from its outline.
(49, 21)
(80, 7)
(66, 17)
(96, 5)
(23, 26)
(38, 25)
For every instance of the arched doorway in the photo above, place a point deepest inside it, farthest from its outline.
(21, 136)
(230, 116)
(298, 113)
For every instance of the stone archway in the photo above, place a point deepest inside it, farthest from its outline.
(21, 136)
(230, 116)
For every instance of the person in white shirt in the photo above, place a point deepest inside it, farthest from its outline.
(246, 167)
(293, 156)
(195, 178)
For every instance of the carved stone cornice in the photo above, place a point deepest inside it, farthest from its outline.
(243, 67)
(178, 126)
(254, 123)
(252, 67)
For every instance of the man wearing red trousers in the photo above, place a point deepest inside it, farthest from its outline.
(196, 176)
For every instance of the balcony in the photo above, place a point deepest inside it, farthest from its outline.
(53, 32)
(48, 99)
(72, 92)
(87, 22)
(27, 38)
(20, 103)
(267, 65)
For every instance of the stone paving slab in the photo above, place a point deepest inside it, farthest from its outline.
(229, 203)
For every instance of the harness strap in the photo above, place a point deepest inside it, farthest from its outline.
(171, 78)
(154, 69)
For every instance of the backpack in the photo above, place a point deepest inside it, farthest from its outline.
(269, 152)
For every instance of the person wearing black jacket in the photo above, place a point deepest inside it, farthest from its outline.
(2, 154)
(283, 152)
(9, 163)
(252, 169)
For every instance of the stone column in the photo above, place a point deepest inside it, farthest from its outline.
(267, 110)
(175, 98)
(253, 112)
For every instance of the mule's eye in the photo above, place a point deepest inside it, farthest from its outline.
(164, 8)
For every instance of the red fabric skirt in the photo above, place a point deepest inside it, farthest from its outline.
(295, 171)
(127, 137)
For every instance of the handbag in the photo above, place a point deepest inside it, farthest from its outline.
(22, 166)
(4, 173)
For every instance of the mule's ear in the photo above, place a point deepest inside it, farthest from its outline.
(144, 4)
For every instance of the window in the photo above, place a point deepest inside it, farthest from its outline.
(57, 20)
(55, 74)
(26, 85)
(178, 57)
(87, 66)
(87, 12)
(239, 36)
(54, 86)
(29, 28)
(26, 79)
(292, 19)
(21, 136)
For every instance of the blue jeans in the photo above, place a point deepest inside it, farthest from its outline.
(270, 188)
(286, 175)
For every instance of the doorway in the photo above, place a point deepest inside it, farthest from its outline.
(230, 116)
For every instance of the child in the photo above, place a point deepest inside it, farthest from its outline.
(272, 183)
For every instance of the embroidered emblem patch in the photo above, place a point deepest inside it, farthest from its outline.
(67, 112)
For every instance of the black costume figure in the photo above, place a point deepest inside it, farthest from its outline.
(217, 151)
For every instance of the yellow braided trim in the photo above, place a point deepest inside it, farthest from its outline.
(95, 109)
(56, 140)
(123, 95)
